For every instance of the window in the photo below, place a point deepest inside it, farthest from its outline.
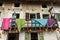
(29, 16)
(45, 16)
(58, 17)
(0, 4)
(32, 16)
(13, 36)
(15, 15)
(44, 5)
(34, 36)
(16, 4)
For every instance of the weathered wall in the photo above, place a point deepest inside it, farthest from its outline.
(9, 9)
(22, 36)
(50, 36)
(3, 36)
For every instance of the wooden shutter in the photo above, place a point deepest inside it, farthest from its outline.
(27, 36)
(41, 37)
(27, 16)
(38, 15)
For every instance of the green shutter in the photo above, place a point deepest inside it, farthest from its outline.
(58, 17)
(26, 36)
(41, 36)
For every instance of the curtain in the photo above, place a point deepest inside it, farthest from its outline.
(27, 16)
(38, 15)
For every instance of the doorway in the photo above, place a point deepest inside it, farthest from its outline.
(13, 36)
(34, 36)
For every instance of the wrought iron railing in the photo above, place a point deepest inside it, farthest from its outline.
(37, 24)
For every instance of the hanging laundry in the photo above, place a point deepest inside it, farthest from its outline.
(14, 15)
(0, 23)
(35, 23)
(27, 36)
(20, 23)
(13, 24)
(5, 23)
(50, 22)
(13, 20)
(43, 22)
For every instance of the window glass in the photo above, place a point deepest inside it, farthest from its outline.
(16, 4)
(32, 16)
(34, 36)
(44, 5)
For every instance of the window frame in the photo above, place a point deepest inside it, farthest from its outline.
(1, 4)
(36, 35)
(16, 14)
(32, 13)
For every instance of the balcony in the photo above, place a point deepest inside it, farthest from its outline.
(35, 25)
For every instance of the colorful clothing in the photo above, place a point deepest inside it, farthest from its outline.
(20, 23)
(39, 22)
(50, 22)
(5, 23)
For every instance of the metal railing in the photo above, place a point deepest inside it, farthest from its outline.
(30, 24)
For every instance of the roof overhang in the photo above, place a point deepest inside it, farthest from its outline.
(32, 0)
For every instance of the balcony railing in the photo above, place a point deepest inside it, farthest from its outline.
(33, 25)
(36, 25)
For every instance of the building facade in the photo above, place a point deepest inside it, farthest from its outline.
(29, 20)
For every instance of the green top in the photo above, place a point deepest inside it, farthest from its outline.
(20, 23)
